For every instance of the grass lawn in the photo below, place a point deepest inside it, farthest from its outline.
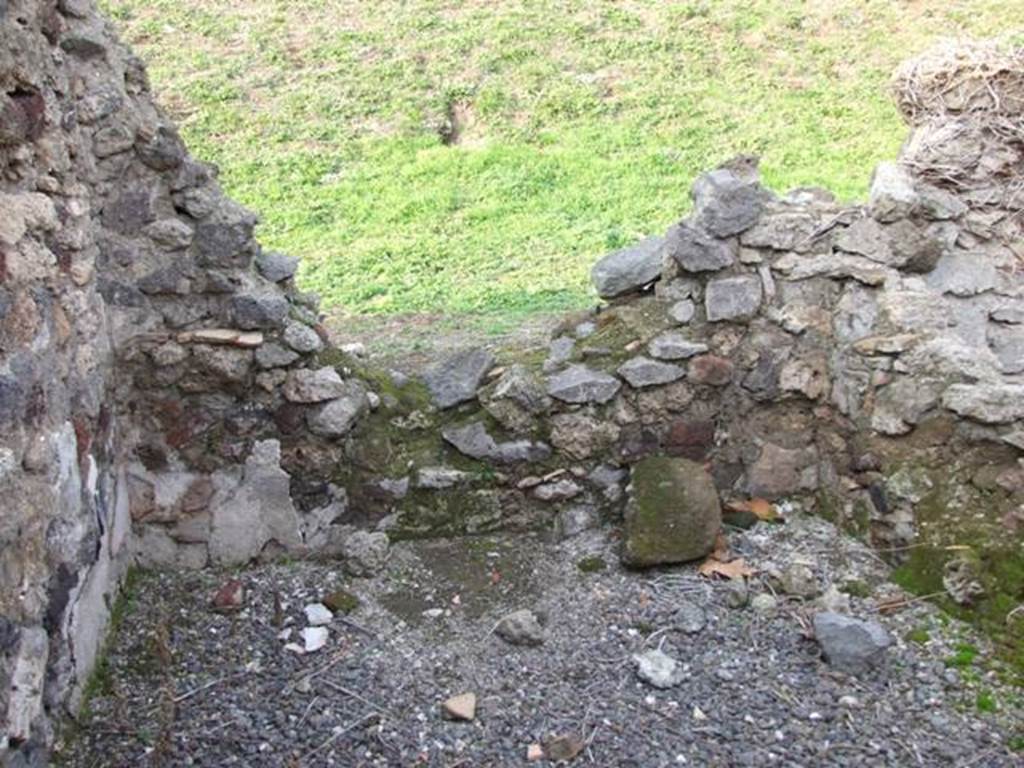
(479, 156)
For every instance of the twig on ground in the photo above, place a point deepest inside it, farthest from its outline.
(343, 690)
(337, 735)
(206, 687)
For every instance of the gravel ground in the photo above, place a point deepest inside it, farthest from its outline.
(187, 686)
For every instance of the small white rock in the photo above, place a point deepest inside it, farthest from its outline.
(318, 614)
(315, 638)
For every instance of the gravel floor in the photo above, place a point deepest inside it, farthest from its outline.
(187, 686)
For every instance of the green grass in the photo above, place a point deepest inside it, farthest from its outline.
(584, 124)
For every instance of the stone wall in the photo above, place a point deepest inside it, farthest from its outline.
(156, 366)
(168, 397)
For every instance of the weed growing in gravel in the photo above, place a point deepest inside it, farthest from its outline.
(964, 656)
(985, 702)
(918, 635)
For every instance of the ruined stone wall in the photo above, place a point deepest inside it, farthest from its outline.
(167, 396)
(155, 363)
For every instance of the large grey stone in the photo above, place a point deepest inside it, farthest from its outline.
(272, 355)
(580, 436)
(260, 309)
(697, 251)
(225, 239)
(991, 403)
(673, 514)
(938, 204)
(865, 237)
(787, 231)
(903, 403)
(672, 345)
(474, 441)
(1007, 342)
(963, 274)
(523, 387)
(644, 372)
(25, 694)
(258, 512)
(733, 298)
(455, 380)
(580, 384)
(313, 386)
(302, 338)
(914, 248)
(276, 267)
(849, 644)
(726, 202)
(628, 269)
(892, 194)
(336, 418)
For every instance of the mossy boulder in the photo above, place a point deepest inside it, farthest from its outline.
(673, 514)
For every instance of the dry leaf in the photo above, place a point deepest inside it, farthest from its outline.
(762, 509)
(734, 569)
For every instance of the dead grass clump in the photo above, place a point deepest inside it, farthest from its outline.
(981, 78)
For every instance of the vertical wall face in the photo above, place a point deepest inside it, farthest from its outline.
(147, 349)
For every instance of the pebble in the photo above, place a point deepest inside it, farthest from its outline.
(461, 707)
(318, 614)
(659, 669)
(764, 604)
(520, 628)
(314, 638)
(737, 594)
(689, 618)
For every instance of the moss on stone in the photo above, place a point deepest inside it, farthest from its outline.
(673, 515)
(341, 601)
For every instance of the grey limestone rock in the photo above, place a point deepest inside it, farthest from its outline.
(456, 379)
(697, 251)
(644, 372)
(733, 298)
(276, 267)
(849, 644)
(474, 441)
(307, 385)
(336, 418)
(259, 511)
(520, 628)
(727, 201)
(580, 384)
(628, 269)
(892, 194)
(672, 345)
(658, 669)
(990, 403)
